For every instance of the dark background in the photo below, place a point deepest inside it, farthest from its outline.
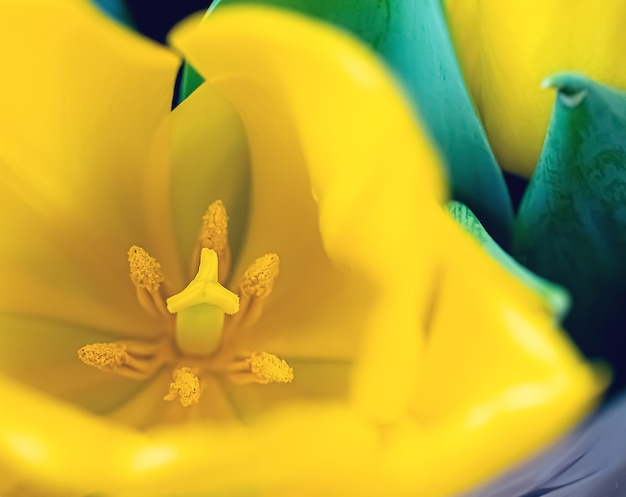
(156, 19)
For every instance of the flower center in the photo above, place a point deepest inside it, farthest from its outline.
(207, 316)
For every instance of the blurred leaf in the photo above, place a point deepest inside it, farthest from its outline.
(116, 9)
(571, 226)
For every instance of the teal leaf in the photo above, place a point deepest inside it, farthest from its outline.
(116, 9)
(555, 297)
(412, 38)
(571, 226)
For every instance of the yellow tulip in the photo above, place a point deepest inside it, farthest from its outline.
(508, 49)
(388, 355)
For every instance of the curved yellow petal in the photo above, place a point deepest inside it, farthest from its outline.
(208, 160)
(342, 183)
(495, 360)
(83, 102)
(66, 450)
(514, 46)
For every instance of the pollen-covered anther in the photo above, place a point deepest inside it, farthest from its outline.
(214, 235)
(260, 367)
(258, 280)
(185, 387)
(268, 368)
(255, 286)
(131, 359)
(107, 356)
(146, 275)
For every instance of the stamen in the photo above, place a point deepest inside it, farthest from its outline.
(146, 275)
(185, 387)
(136, 360)
(269, 369)
(255, 286)
(214, 235)
(108, 356)
(258, 280)
(200, 309)
(260, 367)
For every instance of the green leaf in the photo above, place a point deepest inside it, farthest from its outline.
(190, 79)
(412, 37)
(555, 297)
(571, 226)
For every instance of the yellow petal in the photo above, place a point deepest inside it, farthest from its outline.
(322, 116)
(514, 46)
(68, 450)
(494, 360)
(201, 155)
(42, 354)
(81, 108)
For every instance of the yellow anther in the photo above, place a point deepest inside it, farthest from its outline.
(108, 356)
(255, 287)
(146, 275)
(131, 359)
(258, 280)
(267, 368)
(214, 232)
(185, 387)
(200, 309)
(145, 271)
(214, 235)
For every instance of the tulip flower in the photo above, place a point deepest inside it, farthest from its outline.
(257, 292)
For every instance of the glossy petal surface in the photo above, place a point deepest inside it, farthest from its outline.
(571, 226)
(507, 49)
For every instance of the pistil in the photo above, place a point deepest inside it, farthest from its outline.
(200, 309)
